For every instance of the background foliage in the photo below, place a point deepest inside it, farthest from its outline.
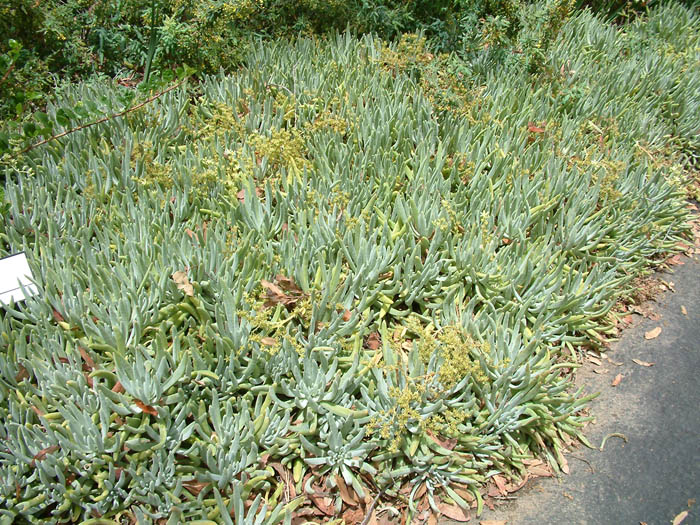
(45, 43)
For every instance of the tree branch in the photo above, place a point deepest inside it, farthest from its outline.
(7, 73)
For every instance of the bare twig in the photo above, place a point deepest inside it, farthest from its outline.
(99, 121)
(370, 509)
(584, 460)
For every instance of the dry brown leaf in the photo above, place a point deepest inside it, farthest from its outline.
(353, 516)
(183, 283)
(421, 492)
(320, 502)
(287, 479)
(146, 408)
(454, 512)
(287, 293)
(643, 363)
(58, 317)
(653, 334)
(298, 517)
(432, 520)
(348, 497)
(272, 289)
(268, 341)
(194, 486)
(684, 311)
(22, 374)
(600, 370)
(595, 360)
(374, 341)
(241, 194)
(448, 444)
(533, 128)
(617, 380)
(346, 315)
(500, 482)
(384, 519)
(465, 494)
(628, 319)
(118, 388)
(86, 357)
(679, 519)
(492, 522)
(514, 487)
(43, 453)
(287, 283)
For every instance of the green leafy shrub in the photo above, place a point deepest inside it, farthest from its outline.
(72, 39)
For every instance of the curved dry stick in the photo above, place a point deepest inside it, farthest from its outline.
(99, 121)
(614, 434)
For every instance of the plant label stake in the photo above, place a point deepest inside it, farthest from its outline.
(15, 279)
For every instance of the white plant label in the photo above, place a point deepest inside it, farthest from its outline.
(15, 274)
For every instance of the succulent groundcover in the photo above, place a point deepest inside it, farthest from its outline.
(345, 280)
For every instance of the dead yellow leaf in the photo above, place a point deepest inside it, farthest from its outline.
(564, 465)
(617, 379)
(653, 334)
(684, 311)
(679, 519)
(492, 522)
(643, 363)
(539, 472)
(183, 283)
(268, 341)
